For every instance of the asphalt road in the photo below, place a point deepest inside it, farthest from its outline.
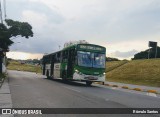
(30, 90)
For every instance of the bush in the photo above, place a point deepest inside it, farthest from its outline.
(2, 76)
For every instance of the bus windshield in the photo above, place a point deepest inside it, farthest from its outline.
(98, 60)
(88, 59)
(84, 59)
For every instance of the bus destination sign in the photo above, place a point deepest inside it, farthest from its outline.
(91, 47)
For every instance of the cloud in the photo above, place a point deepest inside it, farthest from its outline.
(37, 20)
(127, 54)
(120, 26)
(47, 37)
(23, 55)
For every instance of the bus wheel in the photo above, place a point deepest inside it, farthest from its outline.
(88, 83)
(64, 76)
(47, 74)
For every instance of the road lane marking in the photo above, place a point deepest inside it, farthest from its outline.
(106, 99)
(113, 88)
(152, 94)
(16, 85)
(72, 89)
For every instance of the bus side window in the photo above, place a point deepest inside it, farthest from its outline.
(57, 58)
(73, 57)
(64, 56)
(76, 58)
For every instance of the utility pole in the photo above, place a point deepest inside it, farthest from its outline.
(1, 50)
(1, 61)
(1, 15)
(4, 5)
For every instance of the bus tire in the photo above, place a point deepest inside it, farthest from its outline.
(88, 83)
(64, 76)
(47, 74)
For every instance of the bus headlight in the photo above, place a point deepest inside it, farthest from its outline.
(101, 75)
(76, 70)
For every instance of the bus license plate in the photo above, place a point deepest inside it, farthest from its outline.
(91, 78)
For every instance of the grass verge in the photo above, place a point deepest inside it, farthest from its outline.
(2, 76)
(114, 64)
(14, 65)
(139, 72)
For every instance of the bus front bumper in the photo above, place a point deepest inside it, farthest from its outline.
(83, 77)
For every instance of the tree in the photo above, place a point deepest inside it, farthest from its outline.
(144, 54)
(13, 29)
(4, 38)
(111, 59)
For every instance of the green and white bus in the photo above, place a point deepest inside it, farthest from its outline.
(78, 62)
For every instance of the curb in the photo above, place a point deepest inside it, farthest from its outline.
(125, 87)
(152, 91)
(5, 95)
(135, 89)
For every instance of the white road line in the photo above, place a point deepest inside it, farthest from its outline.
(113, 88)
(106, 99)
(152, 94)
(72, 89)
(16, 85)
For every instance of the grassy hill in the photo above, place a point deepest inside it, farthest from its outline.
(140, 72)
(14, 65)
(114, 64)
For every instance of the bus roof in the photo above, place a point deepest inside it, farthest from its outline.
(81, 47)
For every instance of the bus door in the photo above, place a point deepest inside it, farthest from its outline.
(43, 66)
(70, 63)
(52, 65)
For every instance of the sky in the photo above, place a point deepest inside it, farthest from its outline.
(124, 27)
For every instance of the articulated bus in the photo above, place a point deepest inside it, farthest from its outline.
(79, 62)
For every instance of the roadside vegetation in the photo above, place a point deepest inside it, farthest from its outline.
(1, 76)
(139, 72)
(114, 64)
(15, 65)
